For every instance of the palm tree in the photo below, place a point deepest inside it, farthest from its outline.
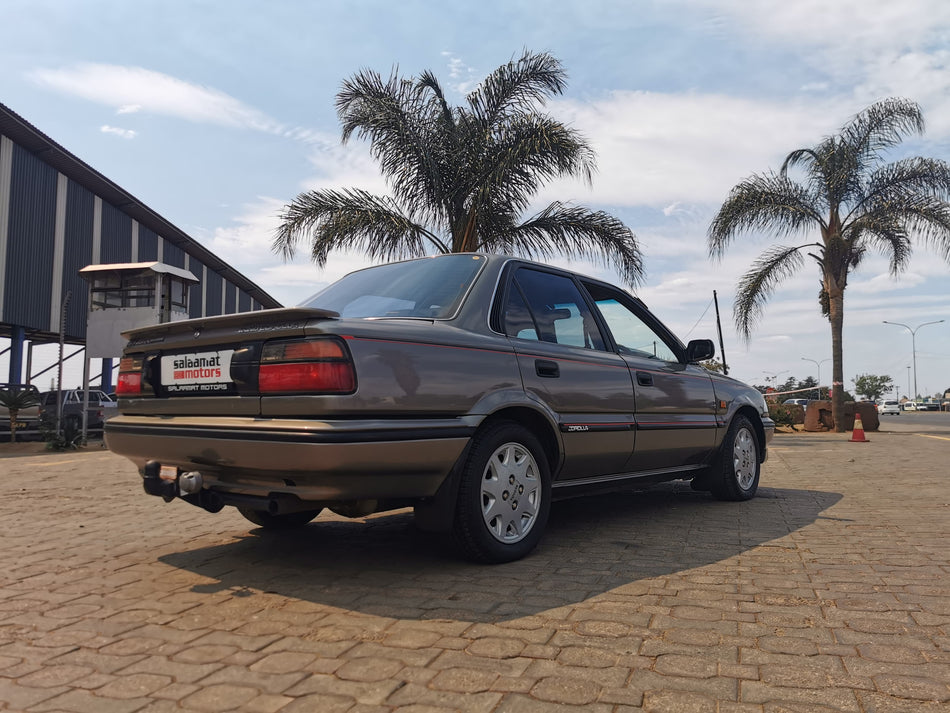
(854, 202)
(460, 177)
(16, 400)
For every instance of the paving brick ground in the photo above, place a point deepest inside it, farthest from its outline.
(829, 592)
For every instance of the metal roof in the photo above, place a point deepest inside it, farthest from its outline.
(139, 267)
(47, 150)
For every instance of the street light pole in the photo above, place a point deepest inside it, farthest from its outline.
(818, 366)
(913, 344)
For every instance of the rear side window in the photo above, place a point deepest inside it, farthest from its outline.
(545, 307)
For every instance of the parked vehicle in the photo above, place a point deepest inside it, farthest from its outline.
(889, 407)
(101, 407)
(473, 388)
(909, 406)
(27, 419)
(799, 402)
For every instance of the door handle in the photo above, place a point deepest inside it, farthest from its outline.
(547, 369)
(644, 378)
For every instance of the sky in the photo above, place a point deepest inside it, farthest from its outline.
(216, 115)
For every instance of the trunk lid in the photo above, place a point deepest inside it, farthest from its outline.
(209, 365)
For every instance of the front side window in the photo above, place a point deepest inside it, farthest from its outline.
(633, 335)
(546, 307)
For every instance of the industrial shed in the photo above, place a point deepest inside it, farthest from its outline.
(59, 215)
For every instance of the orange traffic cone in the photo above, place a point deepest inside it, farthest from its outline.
(857, 436)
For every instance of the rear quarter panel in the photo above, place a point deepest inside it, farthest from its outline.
(410, 369)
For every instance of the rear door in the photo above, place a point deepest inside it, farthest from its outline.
(564, 363)
(676, 416)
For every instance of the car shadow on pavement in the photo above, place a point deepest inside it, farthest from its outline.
(384, 566)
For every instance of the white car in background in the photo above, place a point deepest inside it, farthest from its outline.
(909, 406)
(889, 406)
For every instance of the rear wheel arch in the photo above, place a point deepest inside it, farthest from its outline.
(504, 493)
(437, 514)
(539, 425)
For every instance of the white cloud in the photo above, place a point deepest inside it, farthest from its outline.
(851, 27)
(132, 89)
(246, 244)
(871, 48)
(884, 282)
(665, 149)
(251, 235)
(350, 166)
(463, 76)
(124, 133)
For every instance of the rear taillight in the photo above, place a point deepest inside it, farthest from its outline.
(129, 382)
(321, 365)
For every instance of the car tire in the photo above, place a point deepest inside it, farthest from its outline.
(287, 521)
(735, 474)
(504, 495)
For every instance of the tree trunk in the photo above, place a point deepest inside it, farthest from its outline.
(13, 414)
(836, 317)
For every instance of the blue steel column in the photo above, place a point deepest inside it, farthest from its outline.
(17, 338)
(106, 380)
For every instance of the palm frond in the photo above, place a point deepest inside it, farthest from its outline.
(574, 232)
(465, 173)
(541, 147)
(804, 158)
(531, 152)
(352, 219)
(906, 177)
(757, 285)
(885, 233)
(517, 86)
(402, 124)
(766, 202)
(883, 125)
(926, 218)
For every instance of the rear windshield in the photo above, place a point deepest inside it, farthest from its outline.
(430, 288)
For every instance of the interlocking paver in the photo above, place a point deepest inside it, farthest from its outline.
(830, 592)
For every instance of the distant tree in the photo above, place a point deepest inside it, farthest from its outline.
(460, 176)
(810, 382)
(712, 365)
(853, 201)
(791, 383)
(871, 386)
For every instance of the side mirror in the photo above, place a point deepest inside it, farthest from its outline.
(700, 350)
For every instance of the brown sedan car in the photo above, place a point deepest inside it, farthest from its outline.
(474, 388)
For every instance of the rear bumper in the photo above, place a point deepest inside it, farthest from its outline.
(311, 460)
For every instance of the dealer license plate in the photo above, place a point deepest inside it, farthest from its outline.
(198, 373)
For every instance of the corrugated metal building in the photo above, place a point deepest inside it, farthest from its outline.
(58, 215)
